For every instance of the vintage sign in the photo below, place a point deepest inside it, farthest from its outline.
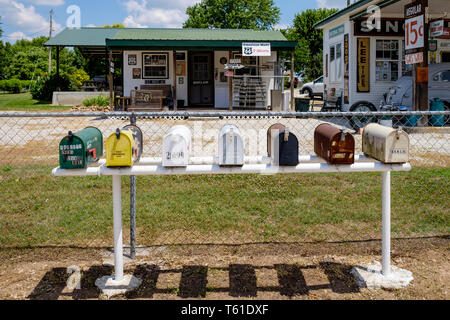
(390, 27)
(181, 69)
(336, 31)
(414, 58)
(132, 60)
(137, 73)
(432, 45)
(346, 68)
(363, 84)
(415, 26)
(436, 28)
(256, 49)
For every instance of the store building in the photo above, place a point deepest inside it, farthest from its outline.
(195, 66)
(364, 56)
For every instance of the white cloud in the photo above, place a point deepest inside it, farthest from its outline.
(156, 13)
(281, 26)
(339, 4)
(18, 35)
(25, 19)
(54, 3)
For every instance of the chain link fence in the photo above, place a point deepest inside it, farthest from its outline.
(38, 209)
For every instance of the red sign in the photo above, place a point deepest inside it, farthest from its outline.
(414, 58)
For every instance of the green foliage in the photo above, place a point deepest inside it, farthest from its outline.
(27, 60)
(308, 55)
(43, 88)
(233, 14)
(14, 85)
(1, 30)
(78, 78)
(115, 25)
(100, 101)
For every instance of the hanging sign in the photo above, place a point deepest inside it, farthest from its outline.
(415, 26)
(346, 68)
(414, 58)
(256, 49)
(436, 28)
(363, 84)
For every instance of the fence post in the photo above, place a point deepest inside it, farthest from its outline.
(133, 206)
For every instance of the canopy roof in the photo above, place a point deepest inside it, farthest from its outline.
(97, 40)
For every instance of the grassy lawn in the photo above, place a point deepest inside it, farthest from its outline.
(24, 102)
(40, 209)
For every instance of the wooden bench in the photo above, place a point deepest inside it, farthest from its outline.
(168, 99)
(146, 100)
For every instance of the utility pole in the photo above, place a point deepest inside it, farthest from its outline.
(50, 48)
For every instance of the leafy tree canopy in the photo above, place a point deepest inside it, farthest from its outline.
(309, 53)
(115, 25)
(233, 14)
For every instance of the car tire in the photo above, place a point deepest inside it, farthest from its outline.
(358, 122)
(309, 92)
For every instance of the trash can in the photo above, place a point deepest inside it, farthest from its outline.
(302, 104)
(437, 105)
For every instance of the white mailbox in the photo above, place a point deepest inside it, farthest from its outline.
(177, 147)
(385, 144)
(231, 146)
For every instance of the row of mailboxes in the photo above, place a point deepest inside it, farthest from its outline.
(124, 147)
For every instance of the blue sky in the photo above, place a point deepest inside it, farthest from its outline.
(29, 18)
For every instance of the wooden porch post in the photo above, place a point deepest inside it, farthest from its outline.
(175, 102)
(292, 81)
(230, 84)
(111, 80)
(57, 61)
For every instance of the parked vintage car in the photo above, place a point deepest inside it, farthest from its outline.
(314, 88)
(438, 87)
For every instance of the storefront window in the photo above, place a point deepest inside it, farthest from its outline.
(387, 61)
(336, 64)
(155, 65)
(406, 68)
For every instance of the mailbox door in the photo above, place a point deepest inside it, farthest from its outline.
(397, 148)
(175, 151)
(119, 152)
(72, 154)
(274, 130)
(138, 140)
(288, 150)
(231, 150)
(342, 151)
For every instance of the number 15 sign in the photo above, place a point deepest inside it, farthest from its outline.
(415, 25)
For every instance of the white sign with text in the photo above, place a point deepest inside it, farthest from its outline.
(256, 49)
(414, 33)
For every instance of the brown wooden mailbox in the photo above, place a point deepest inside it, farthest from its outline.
(334, 145)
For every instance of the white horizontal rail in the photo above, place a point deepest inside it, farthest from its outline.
(267, 169)
(247, 160)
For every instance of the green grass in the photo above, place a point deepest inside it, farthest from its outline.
(24, 102)
(40, 209)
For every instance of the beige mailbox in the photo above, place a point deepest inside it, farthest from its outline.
(231, 146)
(385, 144)
(177, 147)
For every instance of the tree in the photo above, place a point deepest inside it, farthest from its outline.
(309, 53)
(233, 14)
(115, 26)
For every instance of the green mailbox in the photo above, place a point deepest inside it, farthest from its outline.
(77, 151)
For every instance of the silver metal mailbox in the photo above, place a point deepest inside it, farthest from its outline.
(231, 146)
(385, 144)
(177, 147)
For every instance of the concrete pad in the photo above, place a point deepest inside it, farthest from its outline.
(110, 288)
(370, 276)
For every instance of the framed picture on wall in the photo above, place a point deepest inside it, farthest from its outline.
(132, 60)
(137, 73)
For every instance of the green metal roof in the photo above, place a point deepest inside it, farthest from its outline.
(199, 34)
(166, 38)
(82, 37)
